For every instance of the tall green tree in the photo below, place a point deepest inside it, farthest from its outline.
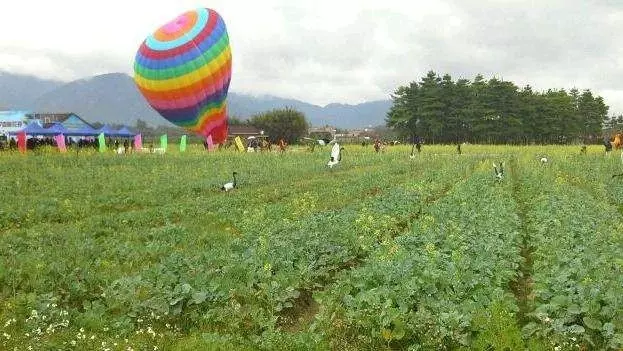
(458, 121)
(494, 111)
(288, 124)
(403, 114)
(593, 112)
(430, 107)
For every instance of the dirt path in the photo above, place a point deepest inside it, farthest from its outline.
(522, 286)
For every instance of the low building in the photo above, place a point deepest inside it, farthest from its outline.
(357, 136)
(12, 121)
(69, 120)
(326, 132)
(244, 131)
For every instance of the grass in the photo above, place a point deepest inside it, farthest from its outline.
(145, 251)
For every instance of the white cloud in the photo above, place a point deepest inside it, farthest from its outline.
(326, 51)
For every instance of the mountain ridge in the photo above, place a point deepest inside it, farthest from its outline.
(113, 98)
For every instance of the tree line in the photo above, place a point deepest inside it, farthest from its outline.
(442, 110)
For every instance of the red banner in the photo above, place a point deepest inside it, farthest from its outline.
(21, 142)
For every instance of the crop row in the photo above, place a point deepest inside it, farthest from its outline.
(442, 285)
(227, 263)
(576, 237)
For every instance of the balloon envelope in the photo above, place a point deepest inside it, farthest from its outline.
(184, 69)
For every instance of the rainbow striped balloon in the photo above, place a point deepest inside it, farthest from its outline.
(184, 70)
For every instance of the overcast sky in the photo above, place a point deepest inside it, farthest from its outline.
(349, 51)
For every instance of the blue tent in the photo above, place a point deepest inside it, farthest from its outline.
(58, 128)
(86, 131)
(107, 130)
(124, 133)
(33, 128)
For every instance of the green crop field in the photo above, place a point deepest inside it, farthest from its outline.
(144, 252)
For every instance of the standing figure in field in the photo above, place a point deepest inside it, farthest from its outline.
(607, 145)
(264, 145)
(282, 145)
(417, 144)
(616, 143)
(499, 171)
(336, 155)
(377, 145)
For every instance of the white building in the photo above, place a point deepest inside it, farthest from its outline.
(11, 121)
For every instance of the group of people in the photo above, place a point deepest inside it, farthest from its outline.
(89, 142)
(35, 143)
(253, 145)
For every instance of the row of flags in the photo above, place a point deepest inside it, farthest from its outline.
(138, 142)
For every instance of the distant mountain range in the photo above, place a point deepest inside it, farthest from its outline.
(113, 98)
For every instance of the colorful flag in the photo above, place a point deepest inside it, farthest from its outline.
(239, 144)
(163, 142)
(210, 143)
(102, 142)
(183, 144)
(138, 142)
(21, 142)
(60, 142)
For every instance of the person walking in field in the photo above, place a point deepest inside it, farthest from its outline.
(282, 145)
(607, 145)
(377, 145)
(418, 144)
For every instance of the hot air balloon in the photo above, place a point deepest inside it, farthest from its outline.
(184, 69)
